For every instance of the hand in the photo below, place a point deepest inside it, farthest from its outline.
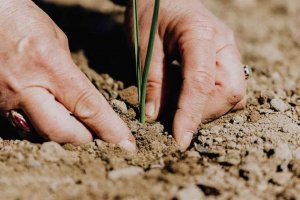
(212, 73)
(38, 76)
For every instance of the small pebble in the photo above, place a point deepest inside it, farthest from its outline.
(254, 116)
(281, 178)
(218, 139)
(265, 111)
(109, 81)
(252, 169)
(215, 129)
(237, 119)
(291, 128)
(296, 153)
(190, 193)
(129, 95)
(156, 166)
(19, 156)
(33, 163)
(268, 95)
(125, 172)
(51, 151)
(99, 143)
(120, 85)
(283, 152)
(231, 159)
(279, 105)
(297, 110)
(231, 145)
(193, 154)
(115, 86)
(119, 105)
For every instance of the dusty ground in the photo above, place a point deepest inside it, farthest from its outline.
(251, 154)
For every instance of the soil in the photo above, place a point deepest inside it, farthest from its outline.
(249, 154)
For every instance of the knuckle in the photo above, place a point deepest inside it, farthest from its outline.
(86, 105)
(201, 81)
(11, 85)
(197, 30)
(153, 84)
(205, 27)
(206, 31)
(42, 49)
(226, 33)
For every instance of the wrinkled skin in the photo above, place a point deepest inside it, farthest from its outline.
(213, 78)
(38, 75)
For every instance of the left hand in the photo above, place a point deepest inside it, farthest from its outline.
(213, 78)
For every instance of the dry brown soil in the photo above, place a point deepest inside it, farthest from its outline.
(250, 154)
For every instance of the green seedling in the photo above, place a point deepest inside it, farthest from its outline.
(142, 75)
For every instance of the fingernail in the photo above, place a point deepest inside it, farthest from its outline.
(127, 145)
(150, 109)
(185, 141)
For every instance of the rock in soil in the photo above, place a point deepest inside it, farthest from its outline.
(119, 106)
(279, 105)
(129, 95)
(190, 193)
(126, 172)
(51, 151)
(283, 152)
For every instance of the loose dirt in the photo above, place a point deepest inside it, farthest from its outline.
(250, 154)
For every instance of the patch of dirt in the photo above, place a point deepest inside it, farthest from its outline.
(250, 154)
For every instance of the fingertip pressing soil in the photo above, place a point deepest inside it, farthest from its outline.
(249, 154)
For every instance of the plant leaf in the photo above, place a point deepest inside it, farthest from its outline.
(148, 60)
(138, 66)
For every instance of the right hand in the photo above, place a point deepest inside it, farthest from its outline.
(213, 79)
(38, 76)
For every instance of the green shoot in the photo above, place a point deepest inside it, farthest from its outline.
(138, 66)
(142, 80)
(148, 60)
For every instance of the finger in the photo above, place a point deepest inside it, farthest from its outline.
(198, 59)
(154, 98)
(80, 97)
(51, 119)
(230, 84)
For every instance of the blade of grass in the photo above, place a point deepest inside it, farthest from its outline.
(148, 60)
(138, 66)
